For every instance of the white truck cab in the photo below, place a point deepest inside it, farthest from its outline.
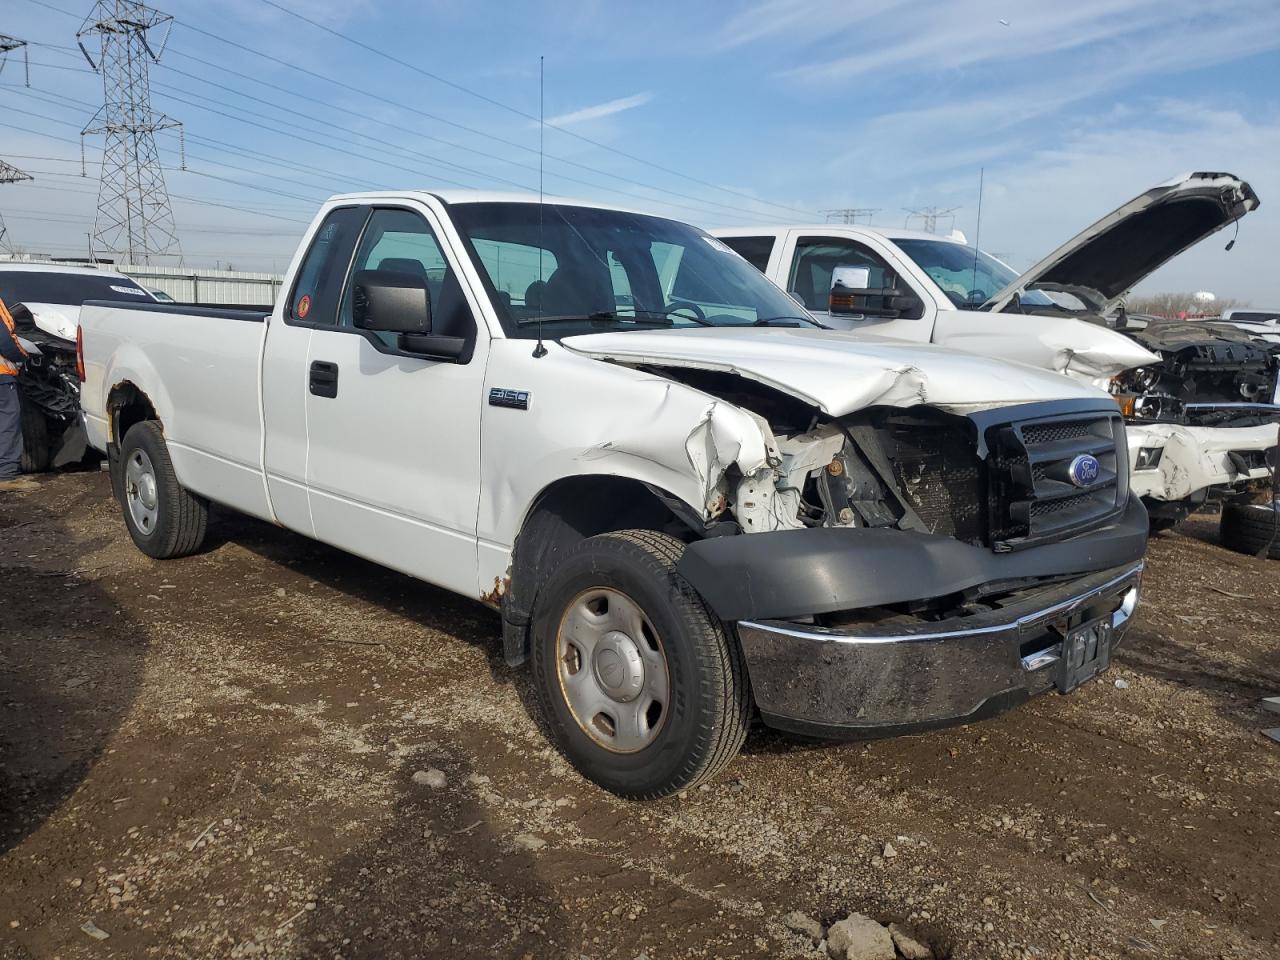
(1201, 403)
(688, 501)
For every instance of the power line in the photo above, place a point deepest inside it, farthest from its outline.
(520, 113)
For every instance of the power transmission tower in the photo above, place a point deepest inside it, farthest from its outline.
(8, 45)
(135, 219)
(9, 174)
(929, 217)
(849, 215)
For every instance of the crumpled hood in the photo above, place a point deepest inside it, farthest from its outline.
(839, 371)
(1216, 341)
(1106, 260)
(55, 319)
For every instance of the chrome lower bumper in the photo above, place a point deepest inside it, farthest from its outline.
(869, 680)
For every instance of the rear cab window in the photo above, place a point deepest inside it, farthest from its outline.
(755, 250)
(318, 289)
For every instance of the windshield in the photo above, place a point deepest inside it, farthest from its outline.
(967, 276)
(600, 270)
(72, 289)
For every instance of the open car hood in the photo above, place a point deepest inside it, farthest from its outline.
(1105, 261)
(838, 371)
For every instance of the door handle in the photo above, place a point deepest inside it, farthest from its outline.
(324, 379)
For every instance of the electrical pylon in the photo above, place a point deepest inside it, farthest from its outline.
(135, 219)
(9, 174)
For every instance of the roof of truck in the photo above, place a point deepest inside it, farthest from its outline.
(488, 196)
(893, 233)
(26, 267)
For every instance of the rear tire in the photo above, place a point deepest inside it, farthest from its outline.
(643, 688)
(37, 449)
(164, 519)
(1248, 528)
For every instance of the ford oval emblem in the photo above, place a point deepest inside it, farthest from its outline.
(1084, 470)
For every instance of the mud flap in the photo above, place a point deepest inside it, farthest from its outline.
(72, 447)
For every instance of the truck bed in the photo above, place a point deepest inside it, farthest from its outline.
(207, 360)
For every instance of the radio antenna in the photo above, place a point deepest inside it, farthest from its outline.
(977, 232)
(541, 350)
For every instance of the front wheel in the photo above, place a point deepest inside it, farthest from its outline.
(164, 519)
(642, 687)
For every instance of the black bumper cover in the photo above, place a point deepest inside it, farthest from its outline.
(796, 573)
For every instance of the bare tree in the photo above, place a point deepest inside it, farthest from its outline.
(1180, 305)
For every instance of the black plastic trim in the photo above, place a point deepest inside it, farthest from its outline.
(248, 314)
(991, 707)
(797, 573)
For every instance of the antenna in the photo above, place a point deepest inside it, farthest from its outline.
(977, 231)
(540, 350)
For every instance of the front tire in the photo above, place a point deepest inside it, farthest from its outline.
(164, 519)
(642, 687)
(1249, 528)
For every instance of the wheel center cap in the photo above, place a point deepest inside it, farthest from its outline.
(147, 490)
(618, 666)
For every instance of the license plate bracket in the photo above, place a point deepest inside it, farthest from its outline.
(1086, 652)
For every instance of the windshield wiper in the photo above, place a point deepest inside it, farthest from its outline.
(655, 317)
(770, 321)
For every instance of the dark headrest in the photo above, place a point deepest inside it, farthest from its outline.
(403, 265)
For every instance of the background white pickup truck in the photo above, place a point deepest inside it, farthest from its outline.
(688, 502)
(1201, 401)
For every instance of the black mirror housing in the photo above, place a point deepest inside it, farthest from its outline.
(391, 301)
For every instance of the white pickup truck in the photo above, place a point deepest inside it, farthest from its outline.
(1202, 403)
(687, 500)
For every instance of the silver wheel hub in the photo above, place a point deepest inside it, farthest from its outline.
(612, 670)
(141, 492)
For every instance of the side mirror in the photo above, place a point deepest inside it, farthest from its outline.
(851, 294)
(396, 302)
(391, 301)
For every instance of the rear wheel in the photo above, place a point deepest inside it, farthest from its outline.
(164, 519)
(37, 449)
(1249, 528)
(642, 687)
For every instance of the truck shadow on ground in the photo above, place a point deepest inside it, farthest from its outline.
(432, 608)
(71, 665)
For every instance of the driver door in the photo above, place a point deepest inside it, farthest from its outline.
(393, 467)
(813, 259)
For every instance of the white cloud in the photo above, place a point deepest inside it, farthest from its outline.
(600, 110)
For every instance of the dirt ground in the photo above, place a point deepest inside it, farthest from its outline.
(214, 757)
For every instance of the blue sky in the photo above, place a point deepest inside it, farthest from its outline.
(714, 113)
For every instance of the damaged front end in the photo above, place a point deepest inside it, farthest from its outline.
(49, 386)
(904, 567)
(1205, 421)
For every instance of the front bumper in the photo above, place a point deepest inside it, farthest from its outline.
(1195, 458)
(869, 680)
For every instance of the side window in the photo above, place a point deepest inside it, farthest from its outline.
(315, 294)
(817, 257)
(754, 250)
(401, 240)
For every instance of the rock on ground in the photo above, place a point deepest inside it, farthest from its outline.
(804, 925)
(430, 778)
(859, 938)
(909, 943)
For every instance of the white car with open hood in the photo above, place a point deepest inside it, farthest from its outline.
(687, 500)
(1201, 401)
(45, 299)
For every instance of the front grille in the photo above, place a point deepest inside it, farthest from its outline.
(937, 470)
(1032, 496)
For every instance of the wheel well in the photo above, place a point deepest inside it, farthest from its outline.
(567, 512)
(127, 405)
